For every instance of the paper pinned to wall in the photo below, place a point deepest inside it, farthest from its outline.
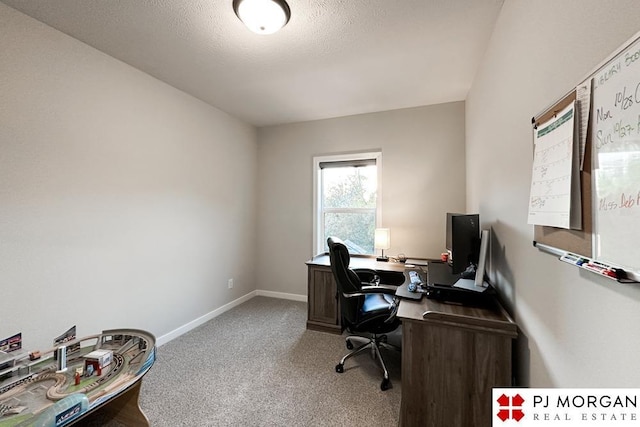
(555, 191)
(583, 102)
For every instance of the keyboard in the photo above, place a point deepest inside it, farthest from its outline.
(403, 292)
(414, 284)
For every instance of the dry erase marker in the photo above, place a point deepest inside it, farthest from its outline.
(594, 267)
(570, 258)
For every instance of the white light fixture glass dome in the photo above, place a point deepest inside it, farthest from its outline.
(262, 16)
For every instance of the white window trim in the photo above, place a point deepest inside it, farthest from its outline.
(318, 244)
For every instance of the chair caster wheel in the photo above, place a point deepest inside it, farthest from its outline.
(339, 368)
(384, 385)
(349, 345)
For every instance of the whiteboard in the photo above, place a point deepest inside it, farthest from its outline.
(616, 159)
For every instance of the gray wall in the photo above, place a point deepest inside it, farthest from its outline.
(423, 177)
(123, 201)
(578, 329)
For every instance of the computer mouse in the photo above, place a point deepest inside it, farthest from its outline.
(411, 287)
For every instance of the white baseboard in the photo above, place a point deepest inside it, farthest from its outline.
(218, 311)
(202, 319)
(281, 295)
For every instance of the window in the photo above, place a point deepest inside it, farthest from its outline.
(347, 200)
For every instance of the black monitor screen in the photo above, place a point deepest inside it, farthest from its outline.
(462, 240)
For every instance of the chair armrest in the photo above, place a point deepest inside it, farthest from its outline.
(367, 276)
(389, 278)
(367, 290)
(380, 289)
(365, 270)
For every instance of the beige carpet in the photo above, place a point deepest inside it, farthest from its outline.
(257, 365)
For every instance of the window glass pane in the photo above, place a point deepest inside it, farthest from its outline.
(349, 187)
(356, 229)
(346, 203)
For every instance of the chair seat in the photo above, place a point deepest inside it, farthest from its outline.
(376, 302)
(374, 316)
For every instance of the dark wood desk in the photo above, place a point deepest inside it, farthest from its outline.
(452, 355)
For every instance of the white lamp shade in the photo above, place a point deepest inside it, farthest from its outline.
(262, 16)
(382, 238)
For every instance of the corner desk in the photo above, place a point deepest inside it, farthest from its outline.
(452, 355)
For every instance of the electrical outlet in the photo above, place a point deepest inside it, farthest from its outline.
(230, 283)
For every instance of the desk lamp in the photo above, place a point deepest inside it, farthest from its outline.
(382, 241)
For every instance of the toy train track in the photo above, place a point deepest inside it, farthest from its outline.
(46, 393)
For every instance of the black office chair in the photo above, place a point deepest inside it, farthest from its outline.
(367, 306)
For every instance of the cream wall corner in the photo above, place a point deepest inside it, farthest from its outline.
(423, 177)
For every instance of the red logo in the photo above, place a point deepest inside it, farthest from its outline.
(510, 407)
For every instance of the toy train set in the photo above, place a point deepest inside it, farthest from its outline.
(55, 387)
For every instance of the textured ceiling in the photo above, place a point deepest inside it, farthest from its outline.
(334, 57)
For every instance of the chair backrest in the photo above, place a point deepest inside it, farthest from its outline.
(346, 279)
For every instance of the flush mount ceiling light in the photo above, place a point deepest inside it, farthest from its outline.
(262, 16)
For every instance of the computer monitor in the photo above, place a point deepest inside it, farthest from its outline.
(482, 258)
(462, 241)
